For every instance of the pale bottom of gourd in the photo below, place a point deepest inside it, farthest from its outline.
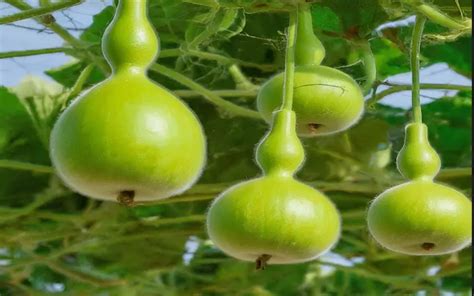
(264, 259)
(125, 193)
(427, 248)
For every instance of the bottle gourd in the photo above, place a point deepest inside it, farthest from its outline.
(420, 217)
(127, 138)
(275, 219)
(326, 100)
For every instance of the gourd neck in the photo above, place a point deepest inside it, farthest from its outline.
(130, 42)
(136, 8)
(309, 49)
(418, 160)
(281, 153)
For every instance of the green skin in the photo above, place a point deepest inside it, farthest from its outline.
(128, 134)
(421, 218)
(275, 215)
(417, 159)
(309, 50)
(326, 100)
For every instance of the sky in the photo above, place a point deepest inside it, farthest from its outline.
(13, 70)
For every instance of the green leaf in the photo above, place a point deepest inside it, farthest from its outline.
(450, 125)
(457, 54)
(389, 58)
(67, 74)
(324, 18)
(358, 17)
(93, 34)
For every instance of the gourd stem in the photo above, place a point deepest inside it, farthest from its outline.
(288, 88)
(370, 66)
(38, 12)
(415, 67)
(440, 18)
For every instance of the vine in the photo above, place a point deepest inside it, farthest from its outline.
(415, 66)
(37, 12)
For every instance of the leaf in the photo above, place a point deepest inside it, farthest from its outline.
(219, 21)
(389, 58)
(67, 74)
(358, 17)
(450, 126)
(324, 18)
(13, 118)
(93, 34)
(457, 54)
(18, 141)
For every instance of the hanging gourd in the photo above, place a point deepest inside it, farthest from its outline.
(420, 217)
(326, 100)
(127, 138)
(276, 219)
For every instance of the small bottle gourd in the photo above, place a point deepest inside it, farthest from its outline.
(275, 219)
(128, 138)
(326, 100)
(420, 217)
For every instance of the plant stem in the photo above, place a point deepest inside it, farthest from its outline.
(207, 94)
(288, 87)
(184, 93)
(454, 173)
(178, 220)
(400, 87)
(415, 67)
(439, 18)
(32, 52)
(370, 66)
(63, 33)
(36, 12)
(25, 166)
(241, 81)
(186, 198)
(82, 277)
(176, 52)
(81, 80)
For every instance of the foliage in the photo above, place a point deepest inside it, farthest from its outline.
(55, 241)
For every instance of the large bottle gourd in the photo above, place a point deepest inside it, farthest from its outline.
(128, 138)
